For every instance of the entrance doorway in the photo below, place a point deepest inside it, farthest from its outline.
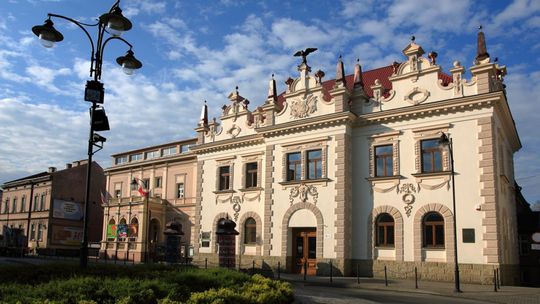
(305, 250)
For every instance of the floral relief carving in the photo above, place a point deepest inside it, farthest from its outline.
(302, 107)
(416, 96)
(408, 197)
(302, 191)
(236, 202)
(234, 131)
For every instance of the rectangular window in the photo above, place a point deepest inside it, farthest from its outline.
(42, 203)
(431, 156)
(384, 160)
(33, 232)
(224, 178)
(121, 159)
(40, 232)
(152, 154)
(14, 205)
(169, 151)
(136, 157)
(23, 204)
(6, 206)
(314, 164)
(180, 190)
(157, 182)
(36, 203)
(294, 166)
(118, 193)
(146, 183)
(251, 175)
(184, 148)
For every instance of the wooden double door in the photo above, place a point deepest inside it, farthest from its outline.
(305, 250)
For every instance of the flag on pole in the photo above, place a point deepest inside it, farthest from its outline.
(142, 192)
(103, 197)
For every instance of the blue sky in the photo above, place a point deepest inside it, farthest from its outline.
(200, 50)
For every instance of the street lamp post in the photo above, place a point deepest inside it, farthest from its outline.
(445, 141)
(113, 23)
(135, 181)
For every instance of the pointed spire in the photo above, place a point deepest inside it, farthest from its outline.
(340, 72)
(272, 92)
(481, 50)
(204, 115)
(358, 75)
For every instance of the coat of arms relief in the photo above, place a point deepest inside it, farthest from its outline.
(302, 107)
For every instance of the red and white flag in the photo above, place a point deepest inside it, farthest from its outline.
(142, 192)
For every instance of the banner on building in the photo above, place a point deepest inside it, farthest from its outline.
(66, 235)
(122, 230)
(67, 210)
(111, 231)
(133, 230)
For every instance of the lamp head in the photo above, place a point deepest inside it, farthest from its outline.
(47, 34)
(129, 63)
(98, 138)
(444, 140)
(115, 22)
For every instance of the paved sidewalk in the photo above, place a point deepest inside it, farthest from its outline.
(506, 294)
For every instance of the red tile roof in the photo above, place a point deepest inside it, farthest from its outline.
(368, 78)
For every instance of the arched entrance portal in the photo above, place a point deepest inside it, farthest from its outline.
(303, 225)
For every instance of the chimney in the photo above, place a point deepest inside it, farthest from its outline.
(52, 169)
(68, 166)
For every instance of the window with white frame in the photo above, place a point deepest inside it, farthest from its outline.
(152, 154)
(136, 157)
(120, 160)
(40, 232)
(42, 202)
(168, 151)
(180, 190)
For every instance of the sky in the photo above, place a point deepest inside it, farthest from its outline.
(200, 50)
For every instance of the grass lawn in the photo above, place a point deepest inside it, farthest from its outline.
(66, 283)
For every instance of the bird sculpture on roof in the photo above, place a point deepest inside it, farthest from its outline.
(304, 54)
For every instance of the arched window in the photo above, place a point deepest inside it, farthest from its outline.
(385, 230)
(133, 231)
(250, 231)
(433, 230)
(122, 230)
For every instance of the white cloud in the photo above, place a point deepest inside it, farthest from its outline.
(296, 35)
(44, 77)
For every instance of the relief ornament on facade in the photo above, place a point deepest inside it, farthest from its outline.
(302, 192)
(408, 197)
(301, 108)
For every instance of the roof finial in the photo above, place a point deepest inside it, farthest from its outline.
(482, 56)
(413, 39)
(204, 115)
(272, 91)
(340, 73)
(358, 74)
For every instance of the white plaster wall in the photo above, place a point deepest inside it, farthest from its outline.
(464, 131)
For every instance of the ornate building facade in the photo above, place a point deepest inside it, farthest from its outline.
(349, 173)
(147, 189)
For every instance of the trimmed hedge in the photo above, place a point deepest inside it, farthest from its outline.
(153, 284)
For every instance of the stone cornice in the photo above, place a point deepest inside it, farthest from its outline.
(184, 157)
(228, 144)
(25, 182)
(433, 108)
(307, 123)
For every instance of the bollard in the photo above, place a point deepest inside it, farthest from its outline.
(498, 279)
(205, 263)
(305, 270)
(358, 273)
(278, 270)
(495, 280)
(385, 277)
(253, 268)
(330, 271)
(133, 259)
(415, 278)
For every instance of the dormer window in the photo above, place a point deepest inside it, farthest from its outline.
(152, 154)
(121, 160)
(136, 157)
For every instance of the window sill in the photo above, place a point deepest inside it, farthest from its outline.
(384, 178)
(251, 189)
(224, 191)
(385, 247)
(432, 174)
(434, 248)
(305, 181)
